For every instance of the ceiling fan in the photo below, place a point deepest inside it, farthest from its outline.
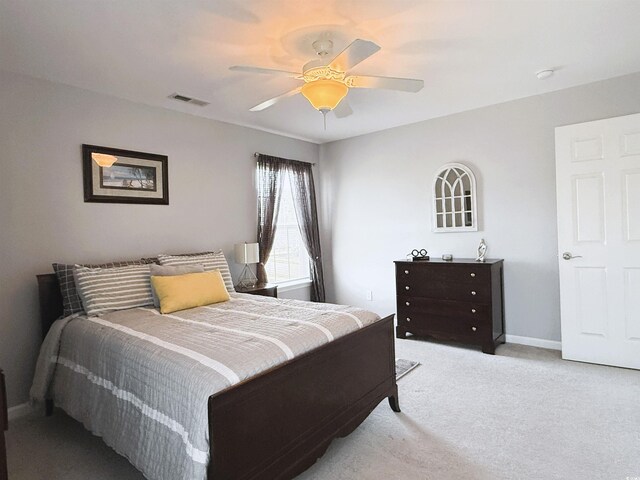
(326, 82)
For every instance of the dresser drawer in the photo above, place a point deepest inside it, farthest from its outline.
(477, 311)
(413, 286)
(443, 325)
(468, 273)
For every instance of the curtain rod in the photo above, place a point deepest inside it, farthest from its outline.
(312, 163)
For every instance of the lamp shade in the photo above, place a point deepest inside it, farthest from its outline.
(247, 253)
(324, 94)
(104, 160)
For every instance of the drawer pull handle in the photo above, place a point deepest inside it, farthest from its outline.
(473, 310)
(408, 319)
(474, 328)
(406, 272)
(473, 274)
(407, 287)
(473, 292)
(407, 303)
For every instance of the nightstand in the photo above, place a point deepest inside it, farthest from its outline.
(264, 289)
(4, 424)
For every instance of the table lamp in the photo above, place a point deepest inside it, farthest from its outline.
(247, 253)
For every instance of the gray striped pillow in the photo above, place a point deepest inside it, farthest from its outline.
(210, 261)
(103, 290)
(70, 299)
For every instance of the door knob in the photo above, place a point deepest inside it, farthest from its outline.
(568, 256)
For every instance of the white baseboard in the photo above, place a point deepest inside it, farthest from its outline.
(19, 411)
(534, 342)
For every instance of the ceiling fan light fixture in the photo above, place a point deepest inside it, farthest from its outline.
(324, 94)
(104, 160)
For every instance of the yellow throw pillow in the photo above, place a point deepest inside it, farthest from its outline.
(190, 290)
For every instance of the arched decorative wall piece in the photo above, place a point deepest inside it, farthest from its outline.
(454, 199)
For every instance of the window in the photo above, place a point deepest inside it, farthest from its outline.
(289, 261)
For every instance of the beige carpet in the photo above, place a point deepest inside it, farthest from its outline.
(522, 414)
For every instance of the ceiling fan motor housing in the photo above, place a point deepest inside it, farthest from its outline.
(322, 73)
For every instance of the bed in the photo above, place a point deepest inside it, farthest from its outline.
(276, 423)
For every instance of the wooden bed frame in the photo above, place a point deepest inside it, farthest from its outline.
(277, 424)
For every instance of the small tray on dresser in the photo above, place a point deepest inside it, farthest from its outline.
(460, 300)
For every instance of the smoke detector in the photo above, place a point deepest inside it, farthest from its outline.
(544, 74)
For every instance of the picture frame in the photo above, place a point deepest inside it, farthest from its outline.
(135, 177)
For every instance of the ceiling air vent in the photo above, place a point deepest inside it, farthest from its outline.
(185, 99)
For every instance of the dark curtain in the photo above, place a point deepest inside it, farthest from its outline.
(271, 173)
(304, 196)
(269, 189)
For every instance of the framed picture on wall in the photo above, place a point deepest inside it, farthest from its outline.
(112, 175)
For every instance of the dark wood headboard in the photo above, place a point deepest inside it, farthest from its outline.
(50, 300)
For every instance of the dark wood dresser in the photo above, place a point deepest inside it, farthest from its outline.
(4, 424)
(460, 300)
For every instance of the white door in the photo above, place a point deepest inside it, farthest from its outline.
(598, 186)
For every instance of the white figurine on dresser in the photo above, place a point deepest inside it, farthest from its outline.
(482, 251)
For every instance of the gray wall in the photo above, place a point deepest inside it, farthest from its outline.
(43, 217)
(377, 198)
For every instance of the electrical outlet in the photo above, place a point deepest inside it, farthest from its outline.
(369, 295)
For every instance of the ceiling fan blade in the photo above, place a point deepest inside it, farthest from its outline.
(343, 109)
(274, 100)
(267, 71)
(388, 83)
(355, 53)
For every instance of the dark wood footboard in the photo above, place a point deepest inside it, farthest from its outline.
(276, 425)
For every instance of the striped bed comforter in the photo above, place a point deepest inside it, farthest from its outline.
(141, 380)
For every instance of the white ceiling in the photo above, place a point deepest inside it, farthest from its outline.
(469, 53)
